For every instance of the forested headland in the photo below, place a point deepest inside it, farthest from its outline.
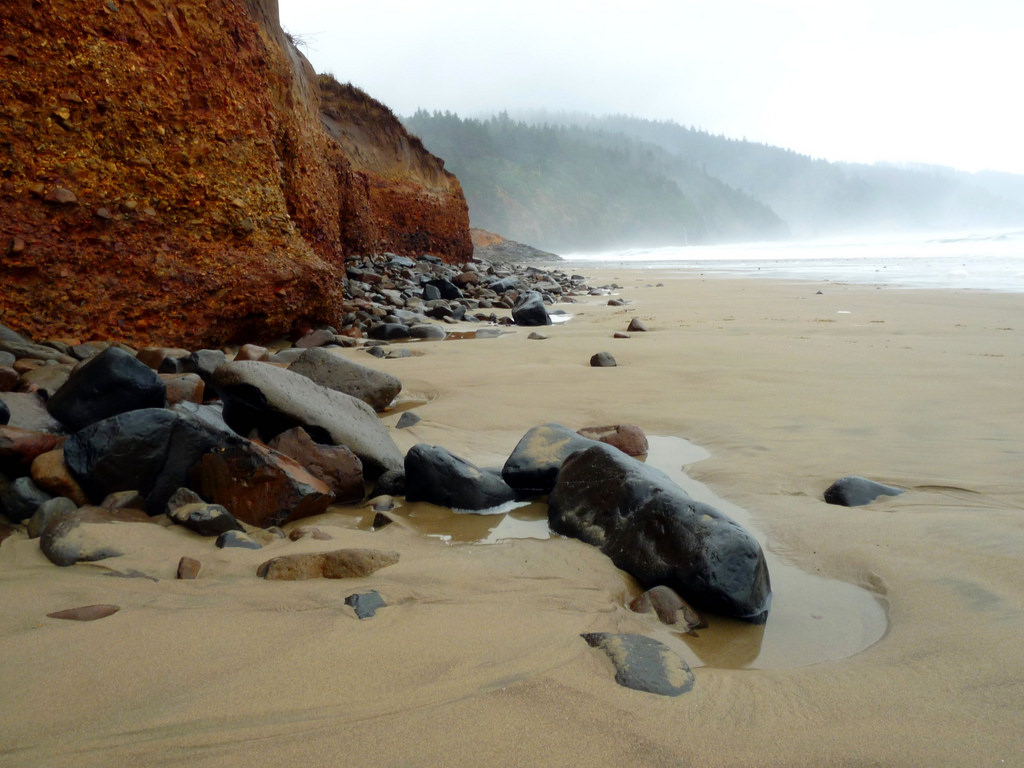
(569, 182)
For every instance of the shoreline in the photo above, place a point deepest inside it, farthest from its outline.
(478, 657)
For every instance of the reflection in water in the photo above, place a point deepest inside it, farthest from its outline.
(813, 619)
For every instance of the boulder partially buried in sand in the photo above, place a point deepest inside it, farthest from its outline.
(853, 491)
(644, 664)
(339, 564)
(654, 531)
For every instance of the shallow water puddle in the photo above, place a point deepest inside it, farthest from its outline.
(812, 620)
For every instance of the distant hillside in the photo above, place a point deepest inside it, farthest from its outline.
(566, 188)
(816, 197)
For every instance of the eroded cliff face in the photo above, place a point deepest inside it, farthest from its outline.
(167, 176)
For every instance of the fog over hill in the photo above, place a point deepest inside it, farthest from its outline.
(582, 182)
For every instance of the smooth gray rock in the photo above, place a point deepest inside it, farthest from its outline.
(20, 498)
(603, 360)
(438, 476)
(365, 604)
(267, 399)
(427, 331)
(853, 491)
(644, 664)
(48, 512)
(654, 531)
(375, 388)
(408, 419)
(533, 465)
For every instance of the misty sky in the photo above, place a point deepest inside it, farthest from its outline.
(935, 81)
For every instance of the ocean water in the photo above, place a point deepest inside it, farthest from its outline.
(988, 261)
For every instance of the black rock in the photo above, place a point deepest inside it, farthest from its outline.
(530, 310)
(20, 498)
(654, 531)
(389, 331)
(644, 664)
(853, 491)
(205, 519)
(203, 362)
(110, 383)
(5, 413)
(149, 450)
(237, 539)
(532, 467)
(603, 360)
(391, 483)
(435, 475)
(447, 289)
(366, 604)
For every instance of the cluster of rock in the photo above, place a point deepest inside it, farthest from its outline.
(393, 296)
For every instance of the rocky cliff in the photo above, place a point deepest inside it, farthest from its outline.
(175, 172)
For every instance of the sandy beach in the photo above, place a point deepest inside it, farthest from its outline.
(477, 658)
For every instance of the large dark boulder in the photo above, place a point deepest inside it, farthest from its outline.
(149, 450)
(533, 465)
(530, 310)
(435, 475)
(270, 400)
(5, 413)
(446, 288)
(375, 388)
(654, 531)
(110, 383)
(853, 491)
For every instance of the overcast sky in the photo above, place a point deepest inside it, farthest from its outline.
(935, 81)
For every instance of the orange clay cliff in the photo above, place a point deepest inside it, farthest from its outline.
(177, 173)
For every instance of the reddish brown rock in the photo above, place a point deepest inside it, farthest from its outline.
(670, 607)
(85, 612)
(258, 485)
(313, 533)
(8, 378)
(183, 387)
(628, 438)
(188, 568)
(155, 356)
(339, 468)
(51, 474)
(252, 352)
(220, 228)
(340, 564)
(21, 446)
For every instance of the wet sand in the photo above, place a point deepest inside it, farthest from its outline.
(477, 658)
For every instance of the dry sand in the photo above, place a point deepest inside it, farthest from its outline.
(477, 659)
